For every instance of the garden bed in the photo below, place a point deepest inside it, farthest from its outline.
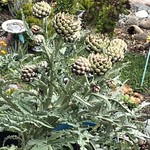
(65, 86)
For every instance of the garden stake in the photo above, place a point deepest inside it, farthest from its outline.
(145, 68)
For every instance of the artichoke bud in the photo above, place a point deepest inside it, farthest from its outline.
(96, 43)
(41, 9)
(100, 63)
(68, 26)
(29, 73)
(81, 66)
(119, 43)
(38, 39)
(115, 53)
(36, 29)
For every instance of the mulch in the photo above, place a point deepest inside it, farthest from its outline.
(136, 43)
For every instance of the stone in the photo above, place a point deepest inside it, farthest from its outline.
(131, 20)
(146, 2)
(13, 86)
(140, 37)
(134, 29)
(140, 7)
(141, 14)
(145, 23)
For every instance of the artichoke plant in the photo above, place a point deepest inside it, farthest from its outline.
(57, 114)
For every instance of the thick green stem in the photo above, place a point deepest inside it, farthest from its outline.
(23, 141)
(45, 27)
(64, 96)
(71, 88)
(50, 85)
(52, 57)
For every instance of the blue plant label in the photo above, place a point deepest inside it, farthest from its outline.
(21, 38)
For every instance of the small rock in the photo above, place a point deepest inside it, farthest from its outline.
(132, 20)
(134, 29)
(145, 23)
(141, 14)
(146, 2)
(13, 86)
(140, 7)
(140, 37)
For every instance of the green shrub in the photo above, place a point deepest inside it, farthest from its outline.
(102, 15)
